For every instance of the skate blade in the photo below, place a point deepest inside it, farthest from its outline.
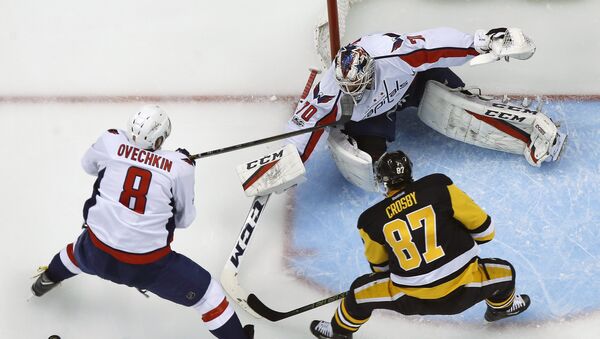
(559, 148)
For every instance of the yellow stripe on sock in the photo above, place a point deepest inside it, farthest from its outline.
(348, 317)
(342, 325)
(503, 304)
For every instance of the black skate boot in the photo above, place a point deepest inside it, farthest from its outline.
(520, 304)
(43, 284)
(249, 330)
(323, 330)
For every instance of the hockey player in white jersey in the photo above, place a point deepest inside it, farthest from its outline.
(141, 195)
(386, 73)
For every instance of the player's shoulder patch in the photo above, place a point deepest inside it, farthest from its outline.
(189, 161)
(396, 41)
(113, 131)
(436, 179)
(187, 154)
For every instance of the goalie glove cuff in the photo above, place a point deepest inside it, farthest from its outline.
(482, 40)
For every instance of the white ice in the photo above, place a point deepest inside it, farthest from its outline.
(182, 48)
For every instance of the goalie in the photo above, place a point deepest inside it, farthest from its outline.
(387, 73)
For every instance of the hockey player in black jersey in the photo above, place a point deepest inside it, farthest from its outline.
(422, 243)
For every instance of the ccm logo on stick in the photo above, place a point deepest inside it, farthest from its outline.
(242, 243)
(265, 160)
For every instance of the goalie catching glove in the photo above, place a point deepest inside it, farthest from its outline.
(272, 173)
(501, 43)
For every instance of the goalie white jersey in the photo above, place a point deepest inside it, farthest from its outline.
(397, 59)
(139, 198)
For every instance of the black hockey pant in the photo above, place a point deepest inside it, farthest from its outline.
(489, 279)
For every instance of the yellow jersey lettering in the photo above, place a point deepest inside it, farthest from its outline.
(401, 204)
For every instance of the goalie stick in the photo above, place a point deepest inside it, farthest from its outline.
(272, 315)
(230, 272)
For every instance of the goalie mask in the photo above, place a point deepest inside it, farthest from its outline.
(149, 127)
(354, 69)
(394, 169)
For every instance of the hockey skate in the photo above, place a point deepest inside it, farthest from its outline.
(520, 304)
(323, 330)
(558, 147)
(43, 284)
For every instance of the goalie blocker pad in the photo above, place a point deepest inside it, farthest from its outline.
(490, 123)
(272, 173)
(354, 164)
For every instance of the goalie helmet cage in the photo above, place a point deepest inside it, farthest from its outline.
(330, 29)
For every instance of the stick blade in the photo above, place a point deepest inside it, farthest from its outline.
(260, 308)
(232, 286)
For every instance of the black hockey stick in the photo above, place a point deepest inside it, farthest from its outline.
(347, 109)
(272, 315)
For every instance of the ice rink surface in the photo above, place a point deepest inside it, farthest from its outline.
(72, 69)
(544, 217)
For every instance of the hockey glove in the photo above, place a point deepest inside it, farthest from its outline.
(483, 40)
(501, 43)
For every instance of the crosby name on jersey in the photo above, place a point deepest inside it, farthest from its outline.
(441, 220)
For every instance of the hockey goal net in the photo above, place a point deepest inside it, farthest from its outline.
(330, 29)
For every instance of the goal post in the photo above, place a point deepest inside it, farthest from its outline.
(334, 28)
(330, 29)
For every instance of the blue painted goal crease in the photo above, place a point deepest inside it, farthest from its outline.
(546, 218)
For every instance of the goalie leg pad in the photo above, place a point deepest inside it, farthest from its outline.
(489, 123)
(354, 164)
(546, 142)
(459, 117)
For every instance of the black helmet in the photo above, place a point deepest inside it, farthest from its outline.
(394, 169)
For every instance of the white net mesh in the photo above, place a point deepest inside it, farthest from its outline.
(322, 30)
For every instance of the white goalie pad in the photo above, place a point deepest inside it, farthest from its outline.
(354, 164)
(491, 123)
(272, 173)
(546, 141)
